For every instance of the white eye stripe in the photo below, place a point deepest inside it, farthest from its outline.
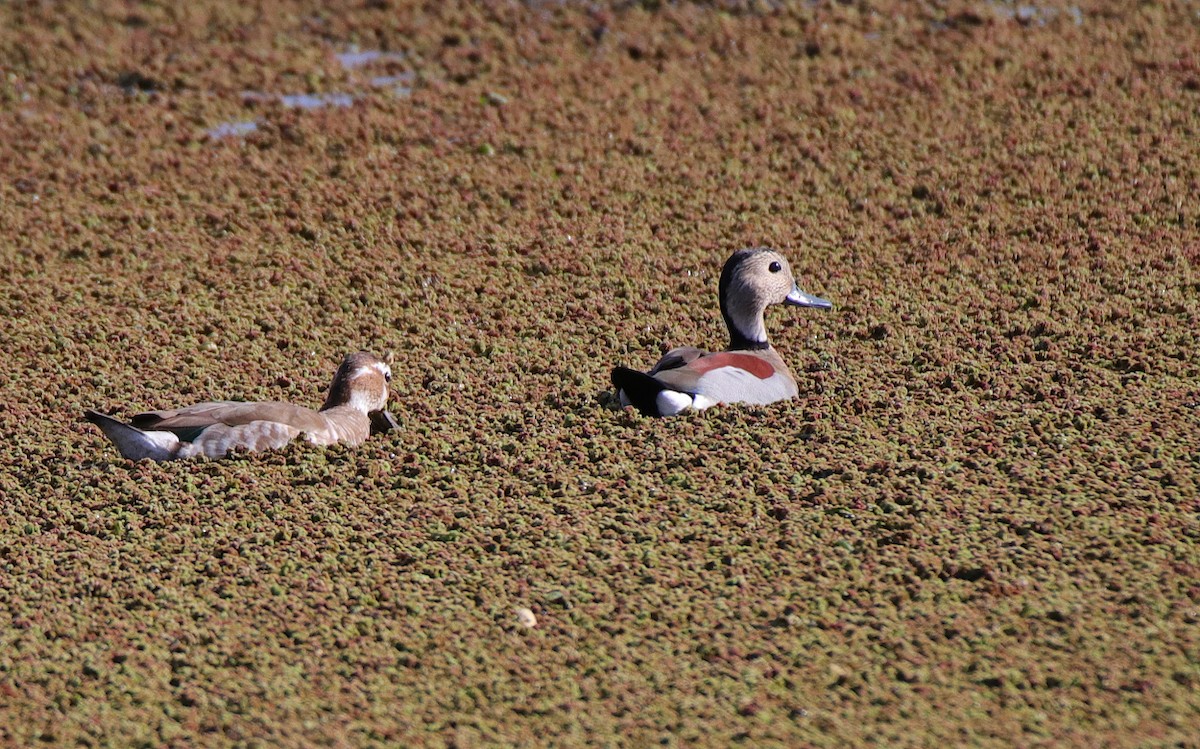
(383, 369)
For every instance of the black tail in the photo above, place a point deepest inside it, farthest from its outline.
(640, 389)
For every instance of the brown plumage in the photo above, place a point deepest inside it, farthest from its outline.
(359, 391)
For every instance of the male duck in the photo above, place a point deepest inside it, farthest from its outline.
(749, 370)
(358, 392)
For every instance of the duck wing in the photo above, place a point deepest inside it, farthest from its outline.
(676, 358)
(189, 421)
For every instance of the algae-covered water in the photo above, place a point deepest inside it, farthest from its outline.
(977, 525)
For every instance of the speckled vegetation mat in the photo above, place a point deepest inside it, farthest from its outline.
(977, 525)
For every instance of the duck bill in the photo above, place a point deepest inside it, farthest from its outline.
(798, 298)
(383, 422)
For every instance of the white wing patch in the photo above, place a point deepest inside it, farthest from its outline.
(671, 402)
(701, 402)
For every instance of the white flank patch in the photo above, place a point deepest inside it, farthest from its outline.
(671, 402)
(701, 402)
(164, 440)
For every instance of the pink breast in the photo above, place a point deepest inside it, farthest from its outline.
(758, 367)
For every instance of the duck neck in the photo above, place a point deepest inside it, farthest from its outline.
(747, 331)
(338, 396)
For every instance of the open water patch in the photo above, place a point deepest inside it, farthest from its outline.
(370, 70)
(232, 129)
(316, 101)
(1034, 14)
(400, 84)
(354, 57)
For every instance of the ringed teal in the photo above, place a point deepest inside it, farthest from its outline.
(749, 370)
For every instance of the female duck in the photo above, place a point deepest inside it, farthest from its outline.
(357, 396)
(749, 370)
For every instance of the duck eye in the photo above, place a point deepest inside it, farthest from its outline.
(387, 376)
(775, 267)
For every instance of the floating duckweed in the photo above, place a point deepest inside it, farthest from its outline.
(976, 523)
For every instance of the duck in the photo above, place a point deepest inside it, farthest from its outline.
(749, 370)
(353, 411)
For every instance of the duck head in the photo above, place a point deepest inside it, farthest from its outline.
(361, 382)
(752, 280)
